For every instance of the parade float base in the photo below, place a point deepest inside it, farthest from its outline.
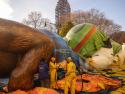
(108, 81)
(38, 90)
(90, 83)
(96, 83)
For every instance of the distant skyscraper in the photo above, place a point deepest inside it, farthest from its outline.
(62, 13)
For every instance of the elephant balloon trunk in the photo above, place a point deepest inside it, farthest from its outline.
(27, 46)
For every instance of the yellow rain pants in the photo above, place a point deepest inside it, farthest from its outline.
(53, 74)
(70, 78)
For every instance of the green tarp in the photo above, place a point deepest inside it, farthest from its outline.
(93, 43)
(78, 33)
(116, 47)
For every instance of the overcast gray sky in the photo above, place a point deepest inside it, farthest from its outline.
(18, 9)
(23, 7)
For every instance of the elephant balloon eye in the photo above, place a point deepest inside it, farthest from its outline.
(97, 55)
(112, 54)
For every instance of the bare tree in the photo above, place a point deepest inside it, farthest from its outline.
(96, 17)
(119, 37)
(34, 19)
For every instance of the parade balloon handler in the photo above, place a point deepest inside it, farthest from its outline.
(61, 70)
(44, 73)
(37, 82)
(53, 72)
(70, 76)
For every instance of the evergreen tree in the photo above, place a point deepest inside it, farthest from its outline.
(62, 13)
(65, 28)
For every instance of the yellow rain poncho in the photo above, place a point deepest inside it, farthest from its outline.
(53, 74)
